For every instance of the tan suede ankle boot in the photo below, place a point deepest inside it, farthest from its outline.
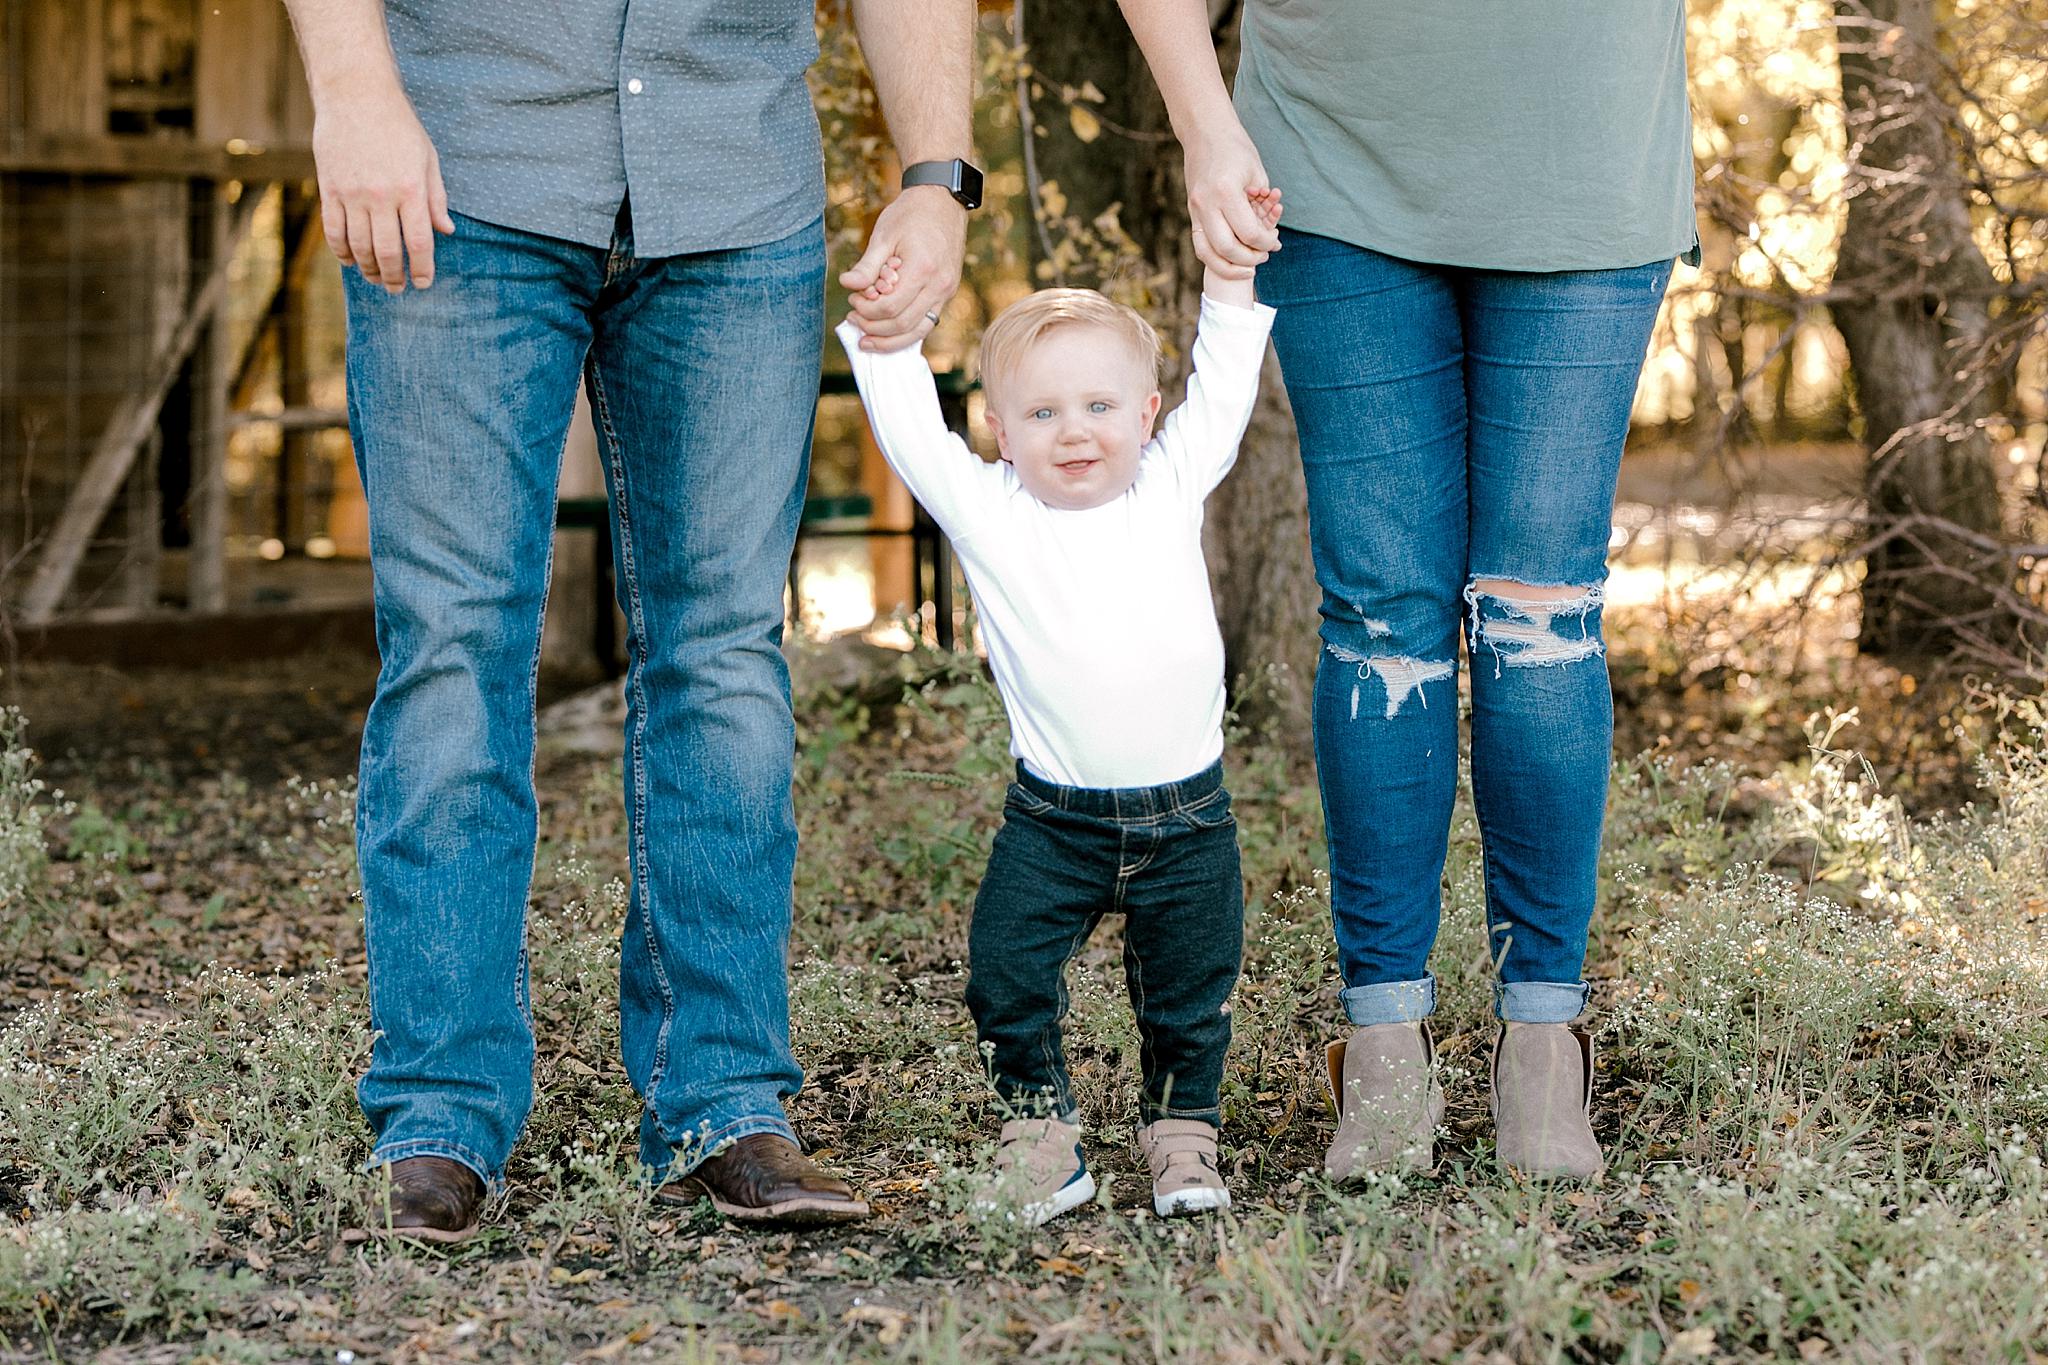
(1383, 1085)
(1542, 1099)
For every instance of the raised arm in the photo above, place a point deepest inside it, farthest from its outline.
(381, 197)
(1223, 167)
(903, 408)
(921, 55)
(1200, 437)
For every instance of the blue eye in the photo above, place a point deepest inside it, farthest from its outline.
(1098, 407)
(1042, 414)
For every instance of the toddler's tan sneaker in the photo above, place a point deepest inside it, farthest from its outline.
(1039, 1172)
(1182, 1156)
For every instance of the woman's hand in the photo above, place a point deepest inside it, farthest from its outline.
(1226, 183)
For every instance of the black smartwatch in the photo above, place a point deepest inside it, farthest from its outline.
(960, 179)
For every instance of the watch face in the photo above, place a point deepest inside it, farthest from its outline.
(969, 189)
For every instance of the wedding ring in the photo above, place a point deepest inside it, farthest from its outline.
(932, 316)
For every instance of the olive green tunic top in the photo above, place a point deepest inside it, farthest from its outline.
(1506, 134)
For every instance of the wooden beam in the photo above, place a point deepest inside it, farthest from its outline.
(300, 255)
(152, 158)
(293, 419)
(62, 69)
(141, 570)
(217, 231)
(126, 433)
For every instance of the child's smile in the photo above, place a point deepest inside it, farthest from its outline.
(1073, 417)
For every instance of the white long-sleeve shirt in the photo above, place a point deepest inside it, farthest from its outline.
(1099, 623)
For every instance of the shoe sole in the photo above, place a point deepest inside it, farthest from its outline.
(1069, 1196)
(432, 1236)
(800, 1212)
(1182, 1203)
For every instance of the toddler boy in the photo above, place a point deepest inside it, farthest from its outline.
(1083, 549)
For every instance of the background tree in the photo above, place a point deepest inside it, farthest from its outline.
(1928, 324)
(1873, 185)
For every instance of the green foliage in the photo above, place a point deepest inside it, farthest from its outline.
(1823, 1095)
(24, 806)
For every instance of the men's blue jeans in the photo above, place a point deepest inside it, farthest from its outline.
(1460, 427)
(702, 372)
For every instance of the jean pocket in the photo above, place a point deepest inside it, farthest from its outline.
(1026, 801)
(1211, 812)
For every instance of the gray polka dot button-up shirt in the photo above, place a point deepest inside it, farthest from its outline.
(547, 113)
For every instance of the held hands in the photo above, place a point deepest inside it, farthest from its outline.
(1226, 185)
(911, 267)
(381, 197)
(1230, 282)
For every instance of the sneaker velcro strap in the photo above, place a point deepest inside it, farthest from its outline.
(1181, 1150)
(1204, 1147)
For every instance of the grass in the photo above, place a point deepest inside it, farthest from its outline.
(1823, 1026)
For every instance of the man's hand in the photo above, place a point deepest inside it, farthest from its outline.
(909, 270)
(381, 197)
(1226, 188)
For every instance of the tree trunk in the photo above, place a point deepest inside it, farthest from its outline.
(1257, 527)
(1917, 334)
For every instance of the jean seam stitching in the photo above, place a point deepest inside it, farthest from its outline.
(1056, 1071)
(630, 578)
(522, 989)
(1135, 975)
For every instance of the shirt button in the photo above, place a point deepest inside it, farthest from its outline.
(633, 86)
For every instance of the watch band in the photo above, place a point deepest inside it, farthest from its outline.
(958, 178)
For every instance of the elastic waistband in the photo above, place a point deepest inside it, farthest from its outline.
(1126, 803)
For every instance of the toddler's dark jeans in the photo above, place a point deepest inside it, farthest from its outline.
(1165, 858)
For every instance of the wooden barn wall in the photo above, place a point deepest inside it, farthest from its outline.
(95, 268)
(96, 272)
(214, 71)
(250, 85)
(56, 67)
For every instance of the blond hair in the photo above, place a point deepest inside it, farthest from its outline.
(1018, 328)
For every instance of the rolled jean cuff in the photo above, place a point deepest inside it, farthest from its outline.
(1540, 1002)
(1390, 1002)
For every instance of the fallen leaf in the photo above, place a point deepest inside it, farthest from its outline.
(889, 1323)
(1693, 1342)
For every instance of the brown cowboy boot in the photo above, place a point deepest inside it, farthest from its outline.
(763, 1178)
(423, 1199)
